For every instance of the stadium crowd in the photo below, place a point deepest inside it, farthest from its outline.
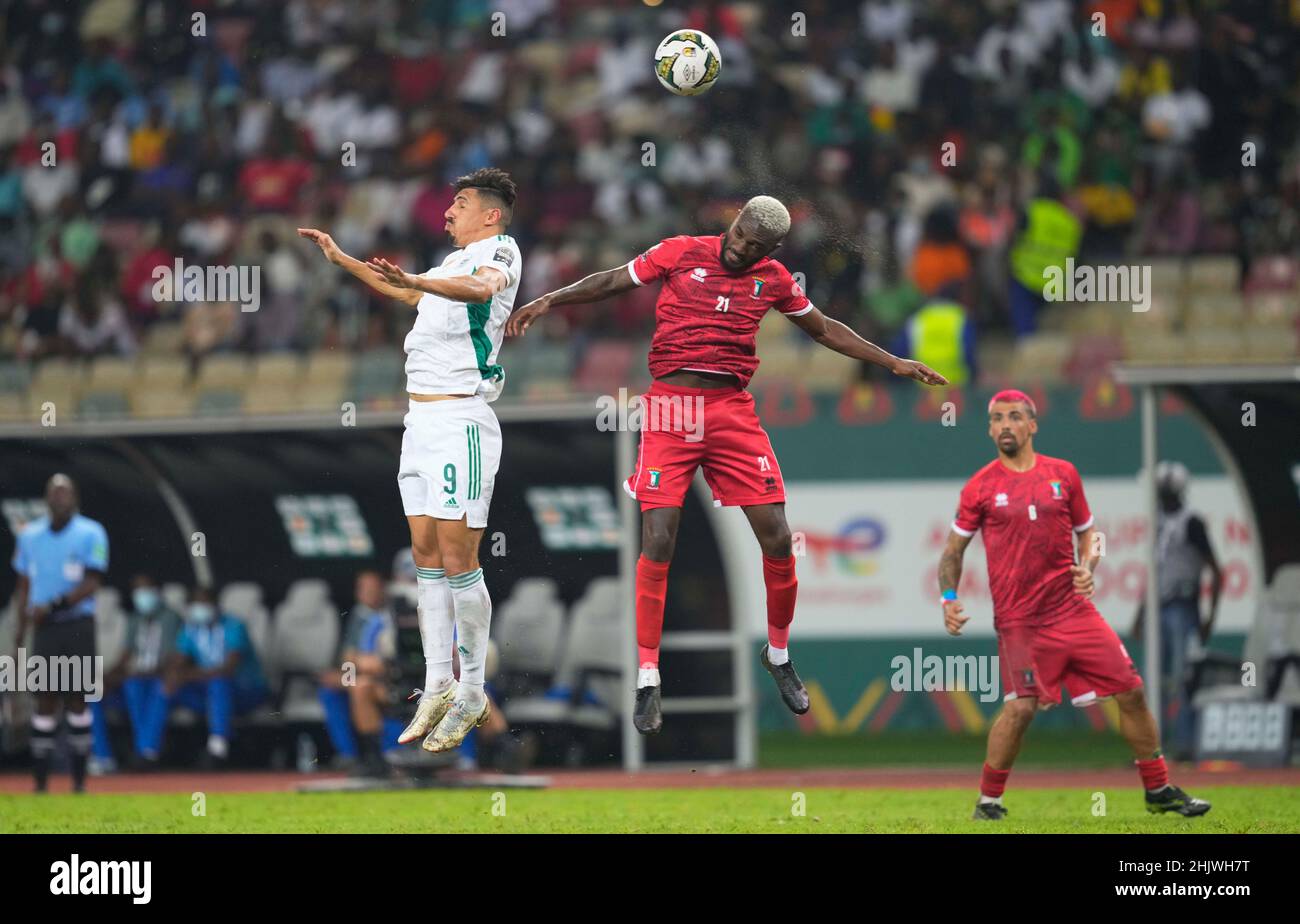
(910, 139)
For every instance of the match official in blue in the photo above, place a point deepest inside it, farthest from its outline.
(61, 560)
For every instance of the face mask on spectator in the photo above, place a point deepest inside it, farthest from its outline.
(145, 600)
(202, 613)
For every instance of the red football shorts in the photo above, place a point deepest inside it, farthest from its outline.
(683, 429)
(1082, 653)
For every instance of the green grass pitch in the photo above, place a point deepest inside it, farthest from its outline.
(720, 811)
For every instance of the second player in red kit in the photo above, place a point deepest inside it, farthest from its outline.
(707, 319)
(715, 290)
(1032, 512)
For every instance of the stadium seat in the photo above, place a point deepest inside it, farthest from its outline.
(305, 630)
(546, 360)
(175, 595)
(149, 403)
(1274, 633)
(1214, 273)
(326, 381)
(827, 371)
(1042, 357)
(164, 339)
(57, 382)
(1092, 356)
(774, 329)
(1215, 345)
(1272, 343)
(243, 600)
(1212, 308)
(1094, 318)
(604, 367)
(378, 375)
(1153, 346)
(547, 390)
(528, 628)
(1276, 273)
(162, 373)
(586, 694)
(278, 370)
(219, 403)
(223, 372)
(782, 361)
(111, 373)
(265, 399)
(1168, 275)
(8, 625)
(1274, 307)
(103, 405)
(304, 638)
(13, 409)
(15, 377)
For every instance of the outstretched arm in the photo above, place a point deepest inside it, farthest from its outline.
(593, 288)
(480, 287)
(949, 578)
(367, 274)
(840, 338)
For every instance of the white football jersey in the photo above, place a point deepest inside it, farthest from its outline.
(452, 349)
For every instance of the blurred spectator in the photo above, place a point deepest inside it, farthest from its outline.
(940, 261)
(941, 334)
(166, 144)
(1184, 554)
(355, 695)
(1049, 235)
(214, 672)
(135, 683)
(93, 323)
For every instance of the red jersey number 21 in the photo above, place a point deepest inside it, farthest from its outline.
(724, 303)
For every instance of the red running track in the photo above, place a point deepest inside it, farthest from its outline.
(704, 777)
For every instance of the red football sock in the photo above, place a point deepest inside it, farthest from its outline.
(993, 783)
(1154, 773)
(651, 591)
(782, 588)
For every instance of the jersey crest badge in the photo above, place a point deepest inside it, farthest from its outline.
(758, 288)
(1056, 490)
(655, 474)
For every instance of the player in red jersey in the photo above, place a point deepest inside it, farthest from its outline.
(716, 289)
(1029, 506)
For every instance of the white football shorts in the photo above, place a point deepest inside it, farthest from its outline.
(450, 453)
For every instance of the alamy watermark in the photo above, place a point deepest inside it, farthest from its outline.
(1086, 283)
(922, 673)
(670, 413)
(60, 674)
(193, 283)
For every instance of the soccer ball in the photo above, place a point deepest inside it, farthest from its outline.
(687, 63)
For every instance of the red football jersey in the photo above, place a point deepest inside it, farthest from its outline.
(707, 316)
(1030, 520)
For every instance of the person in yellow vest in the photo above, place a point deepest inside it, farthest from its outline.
(1049, 235)
(942, 331)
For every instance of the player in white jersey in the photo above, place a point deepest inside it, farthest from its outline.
(452, 445)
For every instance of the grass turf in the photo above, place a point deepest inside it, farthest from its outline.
(1237, 809)
(1047, 748)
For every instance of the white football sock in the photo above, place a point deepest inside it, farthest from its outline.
(647, 677)
(985, 800)
(473, 621)
(777, 656)
(436, 627)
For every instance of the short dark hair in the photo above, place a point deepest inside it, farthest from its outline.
(496, 183)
